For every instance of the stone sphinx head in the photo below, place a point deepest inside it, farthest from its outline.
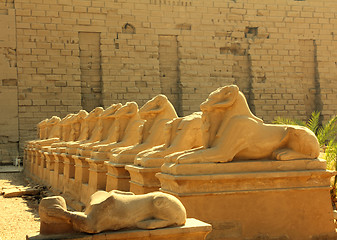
(41, 127)
(94, 113)
(54, 127)
(53, 121)
(82, 114)
(110, 111)
(128, 110)
(155, 106)
(221, 98)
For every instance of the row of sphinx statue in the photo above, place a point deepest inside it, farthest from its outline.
(225, 130)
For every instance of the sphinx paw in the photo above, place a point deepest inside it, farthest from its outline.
(285, 154)
(187, 158)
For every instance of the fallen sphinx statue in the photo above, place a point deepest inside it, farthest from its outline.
(112, 211)
(232, 132)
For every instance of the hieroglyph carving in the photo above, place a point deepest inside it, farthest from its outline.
(10, 55)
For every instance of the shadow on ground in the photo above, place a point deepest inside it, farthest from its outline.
(16, 180)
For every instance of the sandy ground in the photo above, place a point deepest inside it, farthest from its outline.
(19, 216)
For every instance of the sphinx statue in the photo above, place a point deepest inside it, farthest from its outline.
(112, 211)
(106, 130)
(76, 122)
(181, 134)
(156, 113)
(97, 130)
(232, 132)
(79, 130)
(42, 133)
(89, 129)
(70, 127)
(53, 132)
(125, 132)
(65, 129)
(42, 129)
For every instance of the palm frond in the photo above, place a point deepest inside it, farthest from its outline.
(328, 131)
(313, 122)
(331, 155)
(288, 121)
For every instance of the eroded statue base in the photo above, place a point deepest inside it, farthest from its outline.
(244, 200)
(143, 180)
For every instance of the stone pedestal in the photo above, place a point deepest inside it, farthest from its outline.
(69, 173)
(244, 200)
(85, 195)
(36, 166)
(30, 161)
(48, 174)
(57, 182)
(117, 178)
(41, 167)
(85, 152)
(34, 161)
(143, 180)
(39, 164)
(97, 175)
(26, 162)
(192, 230)
(81, 177)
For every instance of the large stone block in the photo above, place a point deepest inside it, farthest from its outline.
(247, 199)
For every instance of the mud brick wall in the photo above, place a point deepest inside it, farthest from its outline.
(74, 54)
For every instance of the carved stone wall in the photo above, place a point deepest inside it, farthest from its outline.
(261, 46)
(169, 70)
(9, 136)
(90, 58)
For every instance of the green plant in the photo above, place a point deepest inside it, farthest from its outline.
(324, 132)
(331, 156)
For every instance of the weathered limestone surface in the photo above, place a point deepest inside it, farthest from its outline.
(231, 131)
(71, 129)
(220, 184)
(156, 113)
(245, 199)
(53, 132)
(9, 104)
(106, 130)
(247, 178)
(127, 131)
(90, 132)
(94, 127)
(181, 134)
(18, 192)
(33, 155)
(113, 211)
